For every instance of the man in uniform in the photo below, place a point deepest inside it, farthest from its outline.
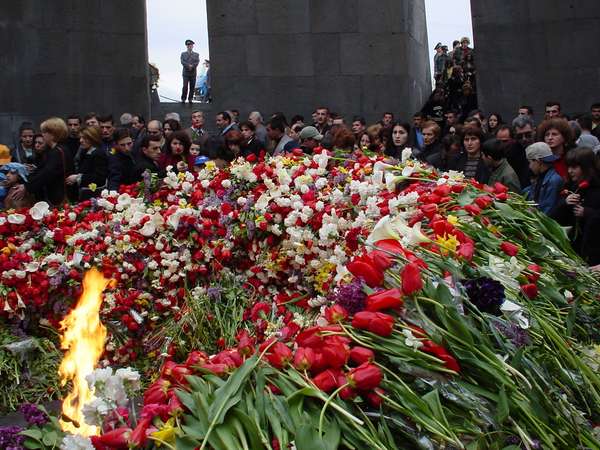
(189, 61)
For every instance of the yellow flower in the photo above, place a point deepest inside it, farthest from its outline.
(452, 219)
(166, 434)
(447, 243)
(182, 203)
(93, 187)
(210, 165)
(323, 276)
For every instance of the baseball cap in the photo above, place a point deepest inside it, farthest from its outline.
(201, 160)
(189, 41)
(540, 150)
(310, 132)
(4, 154)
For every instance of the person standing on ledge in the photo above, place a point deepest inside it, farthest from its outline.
(189, 61)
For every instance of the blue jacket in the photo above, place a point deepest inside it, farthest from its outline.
(546, 195)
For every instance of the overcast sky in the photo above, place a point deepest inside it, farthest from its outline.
(171, 22)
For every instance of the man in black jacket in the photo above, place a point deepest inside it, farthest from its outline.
(148, 158)
(121, 165)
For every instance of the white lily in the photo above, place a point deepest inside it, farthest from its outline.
(514, 312)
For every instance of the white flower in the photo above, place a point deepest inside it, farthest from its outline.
(226, 184)
(114, 390)
(514, 313)
(407, 154)
(94, 411)
(129, 377)
(16, 219)
(98, 377)
(76, 442)
(411, 340)
(39, 210)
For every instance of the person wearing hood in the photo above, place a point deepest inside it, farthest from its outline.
(16, 176)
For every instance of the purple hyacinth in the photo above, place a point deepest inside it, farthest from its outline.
(32, 414)
(517, 335)
(214, 293)
(10, 439)
(486, 294)
(350, 296)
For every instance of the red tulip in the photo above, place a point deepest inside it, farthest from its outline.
(279, 355)
(411, 279)
(360, 355)
(335, 354)
(304, 358)
(390, 298)
(116, 439)
(374, 397)
(390, 246)
(530, 290)
(375, 322)
(336, 313)
(535, 276)
(311, 337)
(466, 250)
(365, 377)
(364, 267)
(195, 358)
(509, 248)
(483, 201)
(327, 380)
(474, 210)
(245, 343)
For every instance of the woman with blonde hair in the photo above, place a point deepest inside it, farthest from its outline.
(47, 182)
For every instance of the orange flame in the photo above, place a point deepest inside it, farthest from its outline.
(83, 339)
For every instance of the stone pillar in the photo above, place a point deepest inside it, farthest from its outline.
(354, 56)
(532, 51)
(71, 56)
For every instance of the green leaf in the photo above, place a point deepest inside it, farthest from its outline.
(250, 428)
(307, 438)
(502, 408)
(332, 436)
(51, 439)
(432, 399)
(32, 433)
(186, 443)
(229, 394)
(32, 443)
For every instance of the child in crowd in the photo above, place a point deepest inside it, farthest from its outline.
(16, 175)
(579, 207)
(547, 184)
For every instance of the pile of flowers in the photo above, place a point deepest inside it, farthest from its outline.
(351, 304)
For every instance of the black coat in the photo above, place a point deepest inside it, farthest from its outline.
(121, 170)
(515, 155)
(252, 147)
(93, 168)
(47, 182)
(585, 238)
(144, 163)
(482, 173)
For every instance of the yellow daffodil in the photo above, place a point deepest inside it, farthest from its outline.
(448, 243)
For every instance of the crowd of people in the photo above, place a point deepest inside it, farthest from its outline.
(554, 164)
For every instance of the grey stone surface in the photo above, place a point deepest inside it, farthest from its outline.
(71, 56)
(531, 51)
(294, 55)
